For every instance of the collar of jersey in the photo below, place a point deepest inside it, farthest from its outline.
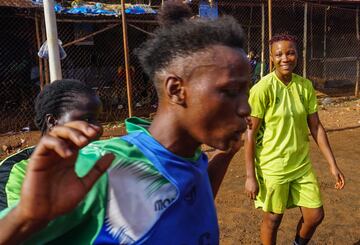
(134, 124)
(282, 84)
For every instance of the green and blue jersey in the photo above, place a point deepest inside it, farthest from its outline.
(148, 196)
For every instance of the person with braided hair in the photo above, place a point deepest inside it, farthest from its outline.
(280, 174)
(58, 103)
(160, 188)
(64, 101)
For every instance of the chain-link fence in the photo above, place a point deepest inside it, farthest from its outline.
(144, 95)
(95, 54)
(334, 45)
(328, 45)
(18, 68)
(328, 37)
(97, 60)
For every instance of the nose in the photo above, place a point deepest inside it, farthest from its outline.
(244, 109)
(284, 58)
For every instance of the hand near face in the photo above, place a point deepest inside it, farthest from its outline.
(51, 187)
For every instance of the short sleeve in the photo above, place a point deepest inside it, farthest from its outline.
(12, 173)
(258, 101)
(15, 181)
(84, 222)
(312, 100)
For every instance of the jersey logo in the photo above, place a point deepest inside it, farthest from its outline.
(162, 204)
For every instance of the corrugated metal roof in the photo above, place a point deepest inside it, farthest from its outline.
(334, 1)
(18, 4)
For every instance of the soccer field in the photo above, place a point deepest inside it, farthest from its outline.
(240, 221)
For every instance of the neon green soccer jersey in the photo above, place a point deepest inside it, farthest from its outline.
(282, 144)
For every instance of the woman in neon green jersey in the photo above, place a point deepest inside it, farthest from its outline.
(279, 171)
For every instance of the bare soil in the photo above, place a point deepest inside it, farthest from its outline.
(240, 221)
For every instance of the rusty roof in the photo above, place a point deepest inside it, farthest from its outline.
(18, 4)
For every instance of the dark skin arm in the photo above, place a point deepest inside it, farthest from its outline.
(319, 135)
(50, 176)
(251, 185)
(218, 166)
(219, 163)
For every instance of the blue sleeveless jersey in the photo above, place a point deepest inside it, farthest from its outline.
(189, 217)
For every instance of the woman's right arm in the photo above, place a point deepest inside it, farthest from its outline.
(51, 187)
(251, 185)
(15, 229)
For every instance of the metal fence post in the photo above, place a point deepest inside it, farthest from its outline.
(38, 45)
(46, 62)
(305, 40)
(270, 32)
(325, 36)
(358, 58)
(126, 56)
(52, 41)
(262, 39)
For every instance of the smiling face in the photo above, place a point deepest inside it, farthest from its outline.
(217, 98)
(284, 56)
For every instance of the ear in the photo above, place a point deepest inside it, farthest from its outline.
(271, 58)
(51, 121)
(271, 62)
(175, 89)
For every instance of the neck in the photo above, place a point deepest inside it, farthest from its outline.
(286, 79)
(166, 129)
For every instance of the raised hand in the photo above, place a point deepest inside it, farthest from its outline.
(51, 186)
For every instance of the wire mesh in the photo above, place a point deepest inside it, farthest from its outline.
(143, 90)
(97, 60)
(334, 48)
(19, 77)
(329, 55)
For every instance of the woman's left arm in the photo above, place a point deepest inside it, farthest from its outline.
(219, 164)
(318, 133)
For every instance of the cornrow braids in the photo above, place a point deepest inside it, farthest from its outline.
(283, 37)
(185, 36)
(57, 98)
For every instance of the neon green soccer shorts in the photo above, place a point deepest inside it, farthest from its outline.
(275, 197)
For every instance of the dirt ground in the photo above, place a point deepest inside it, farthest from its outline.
(240, 222)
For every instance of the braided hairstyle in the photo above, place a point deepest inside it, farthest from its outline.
(59, 97)
(181, 36)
